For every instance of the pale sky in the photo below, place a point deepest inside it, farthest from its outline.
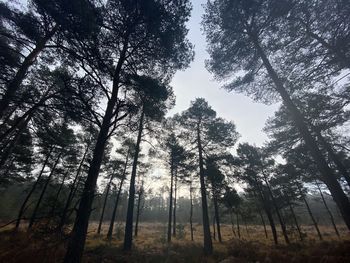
(196, 81)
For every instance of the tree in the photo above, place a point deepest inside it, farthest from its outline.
(208, 133)
(131, 37)
(243, 35)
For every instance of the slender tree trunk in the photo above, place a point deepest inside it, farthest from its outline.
(15, 83)
(170, 198)
(72, 190)
(232, 223)
(327, 174)
(208, 245)
(311, 215)
(175, 199)
(246, 226)
(191, 212)
(78, 236)
(328, 210)
(279, 216)
(138, 210)
(237, 223)
(217, 217)
(24, 204)
(52, 212)
(111, 225)
(130, 210)
(33, 217)
(263, 222)
(294, 218)
(214, 230)
(104, 204)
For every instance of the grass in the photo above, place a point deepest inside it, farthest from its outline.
(151, 246)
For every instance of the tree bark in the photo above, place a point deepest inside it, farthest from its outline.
(208, 245)
(33, 217)
(130, 210)
(78, 236)
(327, 175)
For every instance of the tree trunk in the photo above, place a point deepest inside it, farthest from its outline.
(327, 175)
(217, 217)
(111, 225)
(24, 204)
(15, 83)
(283, 226)
(170, 199)
(72, 190)
(175, 198)
(52, 212)
(191, 212)
(105, 203)
(130, 210)
(78, 236)
(208, 245)
(311, 215)
(214, 229)
(237, 223)
(246, 226)
(294, 218)
(138, 210)
(328, 210)
(263, 222)
(33, 217)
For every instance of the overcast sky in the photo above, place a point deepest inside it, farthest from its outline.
(196, 81)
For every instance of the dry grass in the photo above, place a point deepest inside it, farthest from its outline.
(151, 246)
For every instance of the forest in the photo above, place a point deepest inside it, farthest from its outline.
(95, 166)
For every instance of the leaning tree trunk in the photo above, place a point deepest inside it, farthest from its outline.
(130, 210)
(15, 83)
(263, 222)
(327, 174)
(72, 190)
(105, 202)
(170, 199)
(111, 225)
(208, 245)
(78, 236)
(24, 204)
(294, 217)
(328, 210)
(311, 215)
(279, 216)
(33, 217)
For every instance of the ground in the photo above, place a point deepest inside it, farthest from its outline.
(151, 246)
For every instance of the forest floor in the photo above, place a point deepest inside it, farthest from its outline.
(150, 246)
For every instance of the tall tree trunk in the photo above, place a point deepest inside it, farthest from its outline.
(294, 217)
(138, 210)
(214, 229)
(208, 245)
(72, 190)
(24, 204)
(170, 199)
(15, 83)
(111, 225)
(327, 174)
(104, 204)
(191, 212)
(232, 223)
(237, 223)
(131, 201)
(328, 210)
(52, 212)
(263, 222)
(175, 199)
(217, 217)
(311, 215)
(246, 226)
(33, 217)
(279, 216)
(78, 236)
